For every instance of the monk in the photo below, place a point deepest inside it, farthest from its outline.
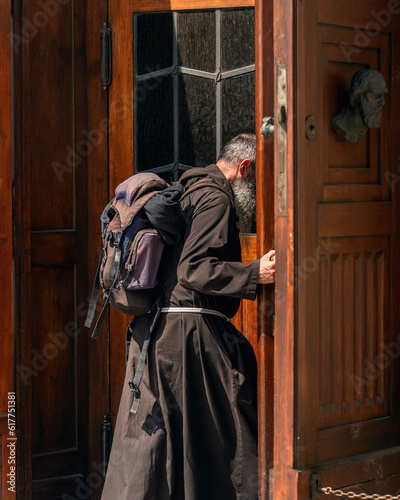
(193, 433)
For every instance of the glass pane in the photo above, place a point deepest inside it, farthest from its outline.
(197, 141)
(154, 42)
(196, 40)
(237, 38)
(154, 123)
(238, 106)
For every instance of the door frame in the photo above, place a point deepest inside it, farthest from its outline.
(284, 477)
(264, 93)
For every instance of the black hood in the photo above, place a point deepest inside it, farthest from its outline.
(164, 210)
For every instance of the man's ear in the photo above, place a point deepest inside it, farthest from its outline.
(244, 165)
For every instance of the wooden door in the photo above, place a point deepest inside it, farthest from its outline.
(8, 401)
(130, 87)
(337, 314)
(50, 231)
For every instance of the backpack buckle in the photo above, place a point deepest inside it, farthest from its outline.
(117, 237)
(134, 388)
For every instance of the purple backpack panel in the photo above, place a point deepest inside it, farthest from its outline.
(143, 261)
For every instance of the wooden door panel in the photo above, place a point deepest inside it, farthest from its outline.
(353, 328)
(51, 229)
(349, 164)
(347, 240)
(354, 440)
(357, 14)
(245, 319)
(354, 219)
(53, 370)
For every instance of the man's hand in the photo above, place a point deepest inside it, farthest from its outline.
(266, 273)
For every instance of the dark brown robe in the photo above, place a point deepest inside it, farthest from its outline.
(194, 436)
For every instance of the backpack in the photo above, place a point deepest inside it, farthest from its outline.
(144, 216)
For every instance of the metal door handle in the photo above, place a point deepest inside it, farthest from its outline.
(267, 127)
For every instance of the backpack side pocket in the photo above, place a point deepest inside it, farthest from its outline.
(143, 260)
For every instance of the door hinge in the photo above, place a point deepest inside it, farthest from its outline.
(105, 56)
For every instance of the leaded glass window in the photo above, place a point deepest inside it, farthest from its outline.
(194, 86)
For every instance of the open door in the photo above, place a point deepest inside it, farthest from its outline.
(337, 241)
(187, 77)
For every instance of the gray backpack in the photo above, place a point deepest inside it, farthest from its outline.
(145, 215)
(131, 251)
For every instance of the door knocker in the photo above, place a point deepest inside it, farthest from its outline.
(363, 111)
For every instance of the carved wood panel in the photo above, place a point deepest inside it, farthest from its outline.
(353, 381)
(346, 276)
(351, 171)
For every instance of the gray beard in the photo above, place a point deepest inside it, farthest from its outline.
(244, 193)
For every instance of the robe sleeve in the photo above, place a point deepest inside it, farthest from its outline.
(205, 264)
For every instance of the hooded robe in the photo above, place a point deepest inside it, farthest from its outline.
(194, 436)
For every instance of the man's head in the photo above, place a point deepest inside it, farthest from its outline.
(367, 95)
(237, 162)
(238, 158)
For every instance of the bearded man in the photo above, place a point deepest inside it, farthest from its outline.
(364, 110)
(194, 434)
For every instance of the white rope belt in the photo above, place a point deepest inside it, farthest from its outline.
(196, 310)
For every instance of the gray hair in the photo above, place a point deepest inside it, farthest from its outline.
(241, 147)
